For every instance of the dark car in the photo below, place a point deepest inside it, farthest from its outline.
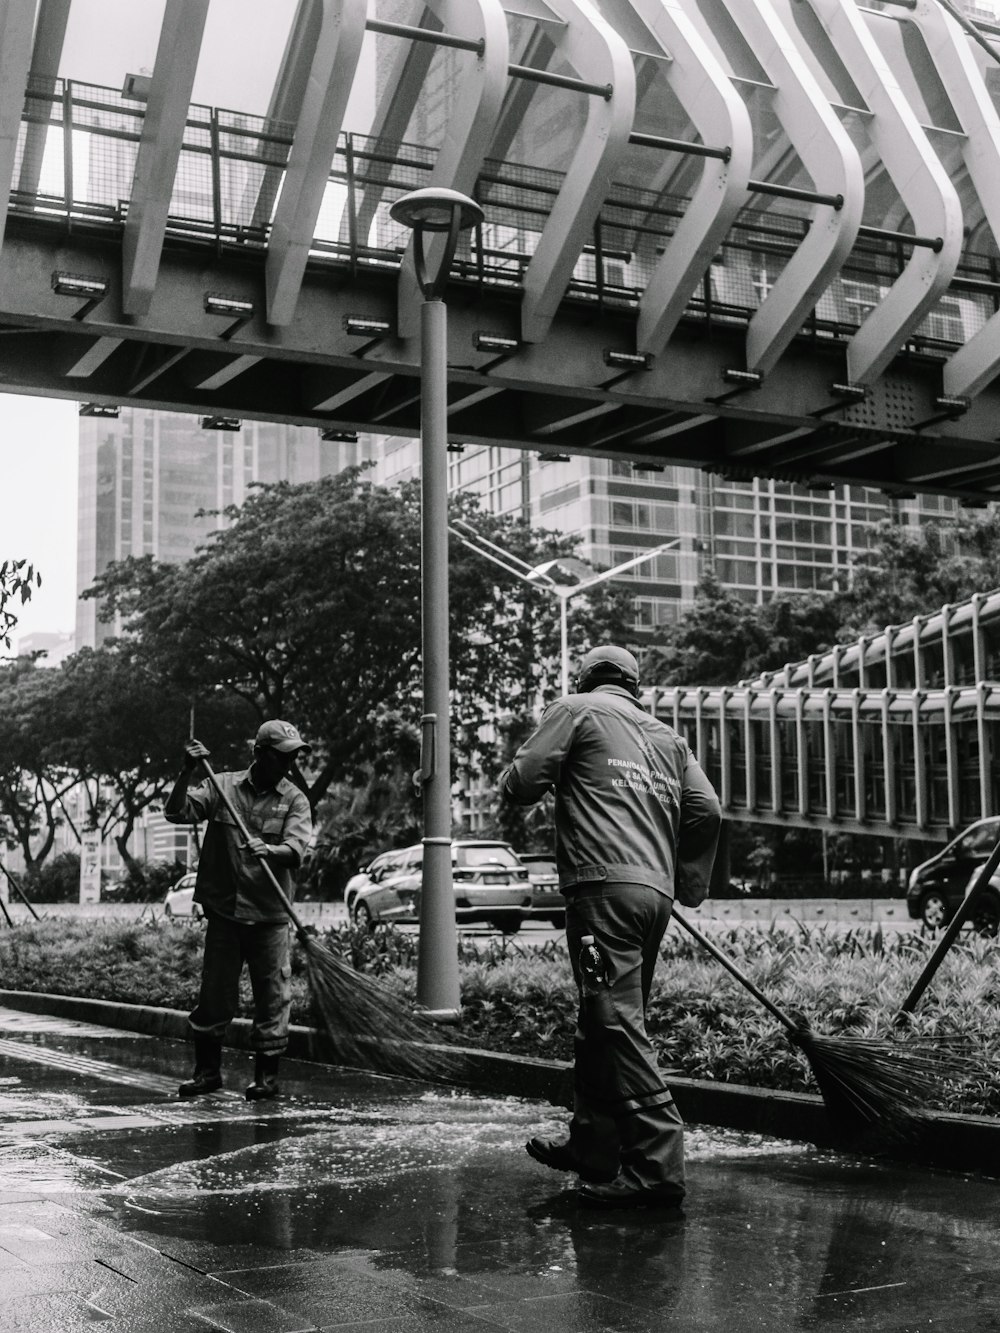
(546, 900)
(937, 887)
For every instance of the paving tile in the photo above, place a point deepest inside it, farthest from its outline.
(440, 1321)
(328, 1292)
(53, 1312)
(579, 1312)
(251, 1316)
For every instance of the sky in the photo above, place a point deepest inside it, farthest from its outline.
(105, 40)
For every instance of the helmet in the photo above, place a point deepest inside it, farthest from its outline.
(608, 663)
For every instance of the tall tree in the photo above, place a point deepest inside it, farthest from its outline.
(307, 605)
(122, 728)
(33, 779)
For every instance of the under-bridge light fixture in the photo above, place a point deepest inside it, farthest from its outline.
(628, 360)
(493, 342)
(333, 436)
(360, 326)
(89, 290)
(554, 458)
(455, 448)
(750, 379)
(221, 423)
(98, 410)
(77, 284)
(648, 467)
(855, 393)
(235, 306)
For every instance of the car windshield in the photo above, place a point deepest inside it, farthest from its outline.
(494, 854)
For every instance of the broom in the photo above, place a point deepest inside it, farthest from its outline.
(866, 1082)
(366, 1026)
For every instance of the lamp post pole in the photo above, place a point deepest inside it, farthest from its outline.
(447, 211)
(540, 577)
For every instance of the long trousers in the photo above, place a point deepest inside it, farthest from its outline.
(624, 1116)
(264, 947)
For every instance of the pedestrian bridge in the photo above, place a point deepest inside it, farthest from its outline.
(758, 248)
(897, 734)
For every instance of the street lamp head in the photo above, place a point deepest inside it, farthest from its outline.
(435, 209)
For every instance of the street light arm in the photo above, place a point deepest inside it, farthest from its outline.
(509, 569)
(628, 564)
(481, 541)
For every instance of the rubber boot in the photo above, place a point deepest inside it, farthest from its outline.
(207, 1075)
(265, 1079)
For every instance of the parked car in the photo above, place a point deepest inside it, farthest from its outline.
(180, 899)
(546, 900)
(490, 884)
(937, 886)
(985, 918)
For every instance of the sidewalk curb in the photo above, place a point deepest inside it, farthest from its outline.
(957, 1142)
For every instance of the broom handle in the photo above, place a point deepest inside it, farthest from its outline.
(950, 935)
(234, 815)
(733, 970)
(20, 892)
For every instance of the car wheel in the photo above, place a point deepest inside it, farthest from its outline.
(507, 925)
(934, 911)
(363, 917)
(558, 919)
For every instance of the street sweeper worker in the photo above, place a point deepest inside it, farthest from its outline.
(245, 921)
(637, 822)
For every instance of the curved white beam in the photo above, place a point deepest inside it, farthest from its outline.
(599, 56)
(976, 363)
(921, 181)
(721, 119)
(335, 61)
(159, 150)
(832, 162)
(478, 94)
(50, 34)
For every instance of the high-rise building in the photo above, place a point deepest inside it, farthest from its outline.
(149, 482)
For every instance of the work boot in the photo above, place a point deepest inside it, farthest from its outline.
(265, 1079)
(207, 1075)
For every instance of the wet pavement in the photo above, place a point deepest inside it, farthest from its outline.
(360, 1202)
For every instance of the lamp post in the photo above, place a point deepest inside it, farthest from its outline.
(447, 212)
(540, 576)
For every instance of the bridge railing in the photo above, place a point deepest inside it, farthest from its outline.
(916, 764)
(75, 164)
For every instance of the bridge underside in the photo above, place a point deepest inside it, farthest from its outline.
(559, 396)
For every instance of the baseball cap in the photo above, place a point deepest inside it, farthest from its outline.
(277, 735)
(609, 662)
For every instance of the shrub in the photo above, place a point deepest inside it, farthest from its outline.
(521, 998)
(54, 881)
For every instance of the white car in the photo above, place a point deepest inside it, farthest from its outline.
(180, 900)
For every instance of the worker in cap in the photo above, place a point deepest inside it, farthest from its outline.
(245, 921)
(636, 823)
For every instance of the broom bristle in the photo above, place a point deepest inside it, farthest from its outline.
(876, 1083)
(366, 1026)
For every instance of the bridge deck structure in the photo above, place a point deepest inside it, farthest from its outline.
(757, 249)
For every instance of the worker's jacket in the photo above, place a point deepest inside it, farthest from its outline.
(632, 803)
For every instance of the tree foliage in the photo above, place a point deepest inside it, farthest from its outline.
(18, 579)
(306, 605)
(722, 639)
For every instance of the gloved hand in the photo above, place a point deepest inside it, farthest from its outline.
(193, 752)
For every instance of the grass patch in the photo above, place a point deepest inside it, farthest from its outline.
(520, 997)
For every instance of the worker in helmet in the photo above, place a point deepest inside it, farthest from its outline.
(637, 823)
